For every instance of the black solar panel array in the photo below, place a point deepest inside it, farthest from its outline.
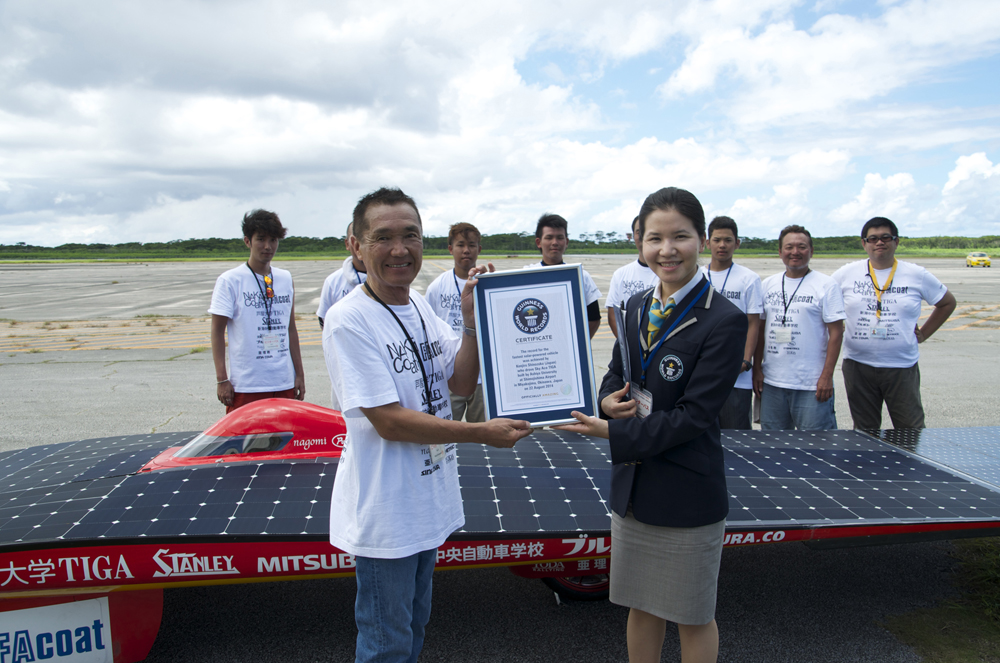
(551, 482)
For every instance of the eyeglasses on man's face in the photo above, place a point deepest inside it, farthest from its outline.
(875, 239)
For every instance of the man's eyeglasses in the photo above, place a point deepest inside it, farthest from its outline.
(875, 239)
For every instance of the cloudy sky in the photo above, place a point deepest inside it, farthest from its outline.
(151, 121)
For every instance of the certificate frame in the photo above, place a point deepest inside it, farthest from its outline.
(494, 338)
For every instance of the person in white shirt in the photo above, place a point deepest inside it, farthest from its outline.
(339, 283)
(628, 280)
(742, 287)
(882, 298)
(552, 238)
(801, 329)
(396, 497)
(254, 304)
(444, 295)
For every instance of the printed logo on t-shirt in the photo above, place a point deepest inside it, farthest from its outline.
(671, 368)
(531, 316)
(775, 298)
(630, 288)
(450, 302)
(732, 294)
(403, 359)
(866, 288)
(256, 300)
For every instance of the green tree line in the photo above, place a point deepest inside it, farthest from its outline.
(522, 242)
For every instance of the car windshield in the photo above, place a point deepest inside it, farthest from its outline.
(978, 255)
(215, 445)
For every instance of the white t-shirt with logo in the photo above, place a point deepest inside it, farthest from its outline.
(259, 358)
(445, 299)
(896, 346)
(817, 300)
(629, 280)
(444, 296)
(337, 285)
(591, 293)
(390, 499)
(742, 287)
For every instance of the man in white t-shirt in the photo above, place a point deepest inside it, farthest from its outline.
(552, 238)
(339, 284)
(255, 305)
(347, 278)
(628, 280)
(801, 329)
(742, 287)
(444, 295)
(882, 298)
(396, 497)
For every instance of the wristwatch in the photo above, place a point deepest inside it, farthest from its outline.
(747, 365)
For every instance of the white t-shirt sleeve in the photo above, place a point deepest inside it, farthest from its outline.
(833, 302)
(615, 295)
(590, 291)
(754, 295)
(931, 289)
(224, 297)
(326, 295)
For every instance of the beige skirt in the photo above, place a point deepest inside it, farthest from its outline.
(670, 572)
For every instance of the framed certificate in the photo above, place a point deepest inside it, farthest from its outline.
(534, 344)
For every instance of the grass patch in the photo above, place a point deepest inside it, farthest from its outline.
(967, 629)
(34, 351)
(198, 350)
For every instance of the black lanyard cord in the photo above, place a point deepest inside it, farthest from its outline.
(413, 345)
(784, 317)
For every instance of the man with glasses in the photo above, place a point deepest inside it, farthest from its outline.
(882, 296)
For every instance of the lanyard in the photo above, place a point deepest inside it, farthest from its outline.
(267, 300)
(416, 350)
(724, 281)
(645, 359)
(457, 289)
(784, 317)
(879, 291)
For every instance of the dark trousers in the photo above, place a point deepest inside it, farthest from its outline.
(868, 387)
(735, 414)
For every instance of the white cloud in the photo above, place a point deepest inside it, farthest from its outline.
(967, 204)
(891, 197)
(220, 107)
(766, 217)
(810, 74)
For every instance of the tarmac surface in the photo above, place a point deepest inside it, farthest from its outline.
(89, 350)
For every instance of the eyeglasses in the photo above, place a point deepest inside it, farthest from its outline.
(875, 239)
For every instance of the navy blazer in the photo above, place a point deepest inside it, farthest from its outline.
(669, 465)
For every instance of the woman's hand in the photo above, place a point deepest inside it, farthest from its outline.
(586, 425)
(615, 407)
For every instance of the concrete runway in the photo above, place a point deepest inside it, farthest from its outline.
(98, 349)
(115, 349)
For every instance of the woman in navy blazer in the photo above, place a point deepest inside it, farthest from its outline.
(668, 482)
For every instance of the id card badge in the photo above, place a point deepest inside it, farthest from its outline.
(783, 335)
(272, 341)
(643, 401)
(437, 453)
(878, 331)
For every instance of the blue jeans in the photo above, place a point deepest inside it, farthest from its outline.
(785, 409)
(393, 607)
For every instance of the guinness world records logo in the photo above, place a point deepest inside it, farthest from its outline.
(531, 316)
(671, 368)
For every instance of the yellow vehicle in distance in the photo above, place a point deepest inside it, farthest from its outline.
(977, 259)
